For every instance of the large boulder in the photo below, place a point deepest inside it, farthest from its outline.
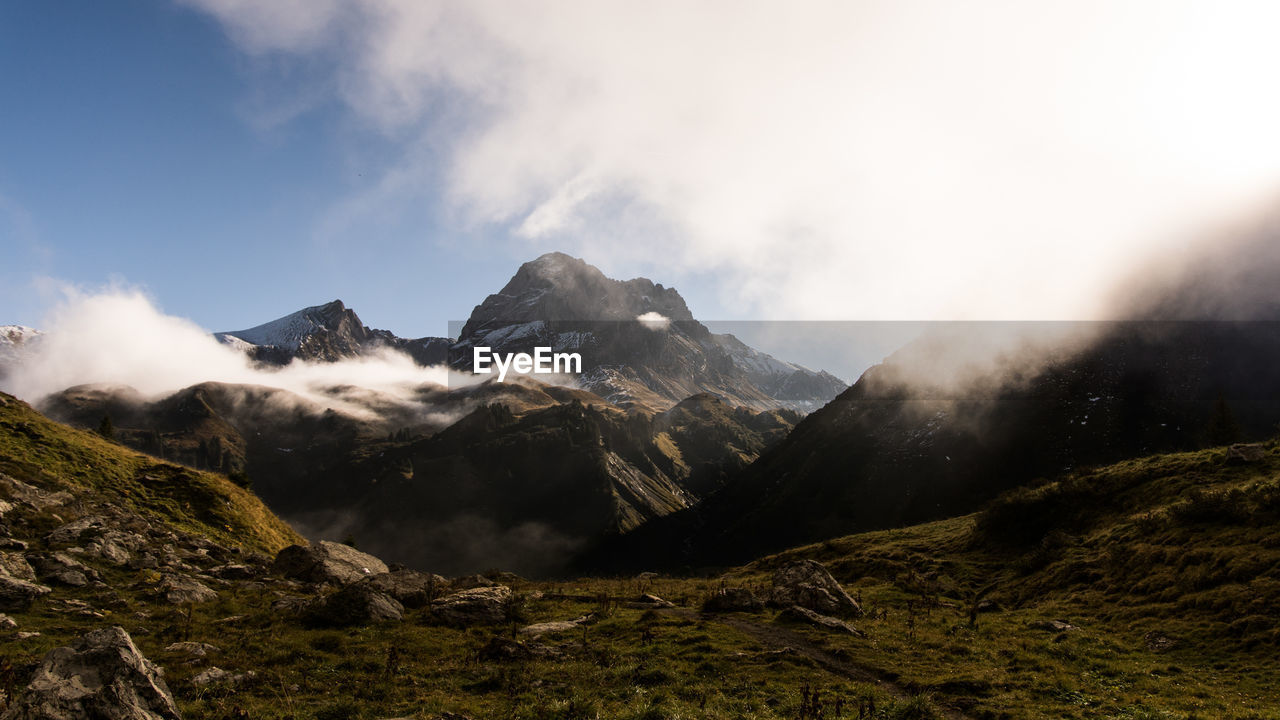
(17, 595)
(808, 584)
(358, 604)
(477, 606)
(411, 588)
(103, 676)
(326, 562)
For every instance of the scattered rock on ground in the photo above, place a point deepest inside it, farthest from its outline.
(17, 595)
(193, 649)
(358, 604)
(808, 584)
(411, 588)
(102, 676)
(477, 606)
(733, 600)
(1245, 453)
(467, 582)
(1052, 625)
(648, 601)
(61, 568)
(1159, 642)
(16, 566)
(795, 613)
(555, 626)
(179, 590)
(326, 562)
(218, 676)
(504, 649)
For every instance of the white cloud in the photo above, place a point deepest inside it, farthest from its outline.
(654, 321)
(118, 336)
(878, 159)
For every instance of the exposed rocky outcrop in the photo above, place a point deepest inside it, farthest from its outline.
(357, 604)
(807, 583)
(102, 676)
(477, 606)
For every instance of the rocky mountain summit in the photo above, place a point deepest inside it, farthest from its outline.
(326, 333)
(564, 303)
(639, 342)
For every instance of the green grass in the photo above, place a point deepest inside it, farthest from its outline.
(1173, 550)
(52, 456)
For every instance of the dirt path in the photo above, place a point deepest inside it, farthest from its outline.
(778, 637)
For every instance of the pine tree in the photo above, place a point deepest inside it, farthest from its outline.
(1222, 429)
(106, 428)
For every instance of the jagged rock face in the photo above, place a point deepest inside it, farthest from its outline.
(102, 676)
(563, 303)
(326, 333)
(327, 562)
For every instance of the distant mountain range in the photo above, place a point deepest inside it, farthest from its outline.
(566, 304)
(520, 474)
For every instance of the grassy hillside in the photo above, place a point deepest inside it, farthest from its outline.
(55, 457)
(1167, 568)
(1145, 589)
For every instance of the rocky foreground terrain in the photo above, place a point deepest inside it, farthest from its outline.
(134, 588)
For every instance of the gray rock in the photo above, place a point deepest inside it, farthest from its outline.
(326, 562)
(17, 595)
(411, 588)
(236, 572)
(8, 623)
(1051, 625)
(79, 530)
(476, 606)
(795, 613)
(808, 584)
(103, 676)
(1245, 453)
(193, 649)
(555, 626)
(218, 676)
(16, 566)
(61, 568)
(733, 599)
(179, 590)
(649, 601)
(31, 495)
(467, 582)
(358, 604)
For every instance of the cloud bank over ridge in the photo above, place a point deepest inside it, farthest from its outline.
(869, 160)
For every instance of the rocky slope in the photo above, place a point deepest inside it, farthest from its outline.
(326, 333)
(564, 303)
(517, 474)
(892, 450)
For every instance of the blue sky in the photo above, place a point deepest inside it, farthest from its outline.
(803, 161)
(132, 151)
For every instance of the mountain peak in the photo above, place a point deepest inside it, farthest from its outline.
(327, 331)
(559, 287)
